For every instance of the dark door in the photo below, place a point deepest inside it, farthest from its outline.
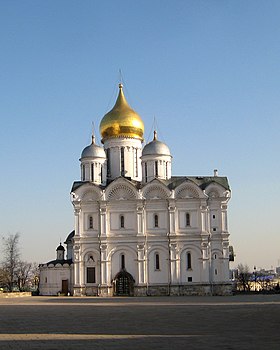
(64, 289)
(122, 286)
(124, 283)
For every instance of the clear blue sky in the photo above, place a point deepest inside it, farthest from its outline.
(209, 71)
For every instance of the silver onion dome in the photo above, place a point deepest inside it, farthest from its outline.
(93, 151)
(156, 147)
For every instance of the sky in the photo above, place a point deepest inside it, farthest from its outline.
(207, 71)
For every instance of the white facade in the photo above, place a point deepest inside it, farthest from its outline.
(56, 275)
(141, 231)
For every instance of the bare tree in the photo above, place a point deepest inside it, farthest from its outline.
(3, 277)
(11, 259)
(35, 277)
(27, 276)
(23, 275)
(243, 278)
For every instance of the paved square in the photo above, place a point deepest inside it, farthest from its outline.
(238, 322)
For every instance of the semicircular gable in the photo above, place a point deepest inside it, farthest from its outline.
(156, 191)
(90, 195)
(124, 248)
(187, 190)
(86, 192)
(87, 253)
(121, 192)
(158, 248)
(214, 190)
(190, 248)
(218, 252)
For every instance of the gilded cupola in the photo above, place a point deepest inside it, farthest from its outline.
(121, 121)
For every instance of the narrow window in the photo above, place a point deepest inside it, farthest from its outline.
(216, 271)
(189, 279)
(46, 280)
(136, 162)
(101, 173)
(122, 161)
(90, 274)
(122, 261)
(166, 169)
(92, 171)
(90, 222)
(108, 163)
(189, 261)
(156, 168)
(188, 219)
(146, 172)
(214, 216)
(214, 229)
(157, 261)
(156, 220)
(83, 173)
(122, 221)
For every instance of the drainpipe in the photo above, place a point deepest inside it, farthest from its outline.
(146, 251)
(147, 263)
(210, 269)
(208, 228)
(169, 269)
(99, 240)
(171, 229)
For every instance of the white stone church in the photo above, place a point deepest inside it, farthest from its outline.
(139, 230)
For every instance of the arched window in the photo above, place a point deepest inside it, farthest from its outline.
(122, 221)
(157, 267)
(188, 219)
(83, 172)
(156, 220)
(146, 172)
(90, 222)
(156, 168)
(122, 162)
(90, 259)
(122, 261)
(189, 261)
(108, 162)
(136, 162)
(92, 171)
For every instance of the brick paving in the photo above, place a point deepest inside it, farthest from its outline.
(238, 322)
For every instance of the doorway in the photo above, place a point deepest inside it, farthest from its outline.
(123, 284)
(64, 288)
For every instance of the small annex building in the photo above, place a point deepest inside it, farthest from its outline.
(139, 230)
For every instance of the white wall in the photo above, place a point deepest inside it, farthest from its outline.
(51, 279)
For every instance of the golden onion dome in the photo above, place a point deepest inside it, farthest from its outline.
(121, 121)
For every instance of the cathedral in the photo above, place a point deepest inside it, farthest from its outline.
(139, 230)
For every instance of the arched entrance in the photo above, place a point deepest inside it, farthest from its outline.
(123, 284)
